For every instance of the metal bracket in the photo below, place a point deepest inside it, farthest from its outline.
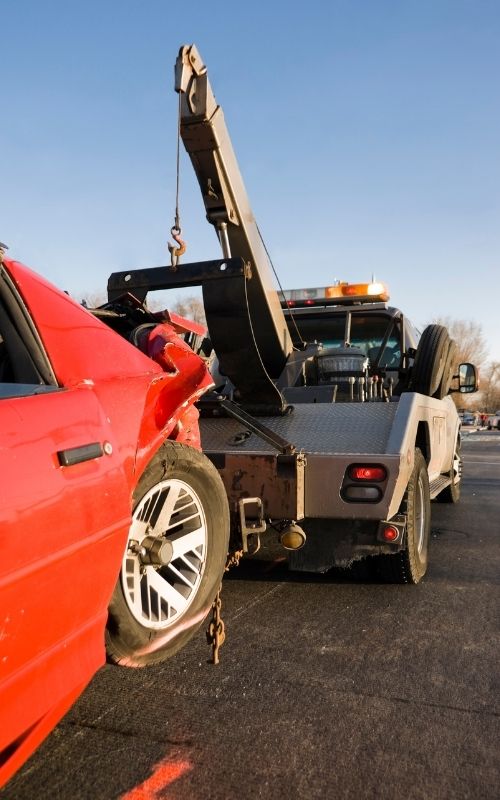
(252, 525)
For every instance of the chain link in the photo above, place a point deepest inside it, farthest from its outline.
(216, 633)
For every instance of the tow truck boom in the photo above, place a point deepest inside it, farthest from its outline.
(246, 323)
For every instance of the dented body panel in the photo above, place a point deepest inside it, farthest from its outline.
(82, 412)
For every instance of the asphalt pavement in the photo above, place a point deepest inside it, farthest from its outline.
(329, 687)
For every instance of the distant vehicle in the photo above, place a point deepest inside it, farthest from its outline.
(113, 525)
(468, 418)
(493, 421)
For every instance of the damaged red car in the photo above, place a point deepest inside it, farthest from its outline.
(113, 525)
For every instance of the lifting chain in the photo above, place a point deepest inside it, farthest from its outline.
(176, 230)
(216, 632)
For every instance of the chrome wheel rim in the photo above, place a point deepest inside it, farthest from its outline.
(166, 554)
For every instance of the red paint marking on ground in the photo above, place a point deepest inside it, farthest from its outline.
(164, 773)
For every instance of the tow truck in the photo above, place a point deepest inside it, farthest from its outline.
(332, 424)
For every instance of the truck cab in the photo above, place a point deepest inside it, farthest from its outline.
(353, 323)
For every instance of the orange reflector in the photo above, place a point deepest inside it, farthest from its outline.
(367, 472)
(390, 533)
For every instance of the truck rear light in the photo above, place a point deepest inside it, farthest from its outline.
(361, 494)
(390, 533)
(367, 472)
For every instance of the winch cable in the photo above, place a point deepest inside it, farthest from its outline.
(281, 289)
(272, 383)
(176, 230)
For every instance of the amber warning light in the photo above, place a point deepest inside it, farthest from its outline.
(341, 292)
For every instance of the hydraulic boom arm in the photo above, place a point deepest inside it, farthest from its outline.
(245, 320)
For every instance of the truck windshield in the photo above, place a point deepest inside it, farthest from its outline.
(368, 332)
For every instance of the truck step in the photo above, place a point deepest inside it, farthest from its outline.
(438, 484)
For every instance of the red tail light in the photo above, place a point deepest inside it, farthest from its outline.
(367, 472)
(390, 533)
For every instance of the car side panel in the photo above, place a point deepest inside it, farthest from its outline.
(63, 531)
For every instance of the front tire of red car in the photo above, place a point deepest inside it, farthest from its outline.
(174, 560)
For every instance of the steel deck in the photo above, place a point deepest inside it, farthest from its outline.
(319, 428)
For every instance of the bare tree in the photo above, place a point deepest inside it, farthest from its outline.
(490, 387)
(190, 307)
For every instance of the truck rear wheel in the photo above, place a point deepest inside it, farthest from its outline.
(410, 565)
(174, 560)
(430, 361)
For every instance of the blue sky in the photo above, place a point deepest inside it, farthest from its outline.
(367, 132)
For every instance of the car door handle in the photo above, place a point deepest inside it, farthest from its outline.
(75, 455)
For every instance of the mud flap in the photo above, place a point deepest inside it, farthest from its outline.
(337, 543)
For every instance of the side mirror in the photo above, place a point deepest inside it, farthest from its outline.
(468, 381)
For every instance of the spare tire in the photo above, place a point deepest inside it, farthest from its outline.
(449, 369)
(430, 360)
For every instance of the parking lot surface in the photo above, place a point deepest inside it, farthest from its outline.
(329, 686)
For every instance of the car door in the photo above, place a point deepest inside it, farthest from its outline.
(64, 518)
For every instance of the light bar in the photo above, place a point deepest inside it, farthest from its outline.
(338, 293)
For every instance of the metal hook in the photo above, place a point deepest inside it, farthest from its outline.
(176, 252)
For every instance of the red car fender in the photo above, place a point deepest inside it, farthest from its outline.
(171, 399)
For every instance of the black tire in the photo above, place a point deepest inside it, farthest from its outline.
(162, 596)
(452, 492)
(448, 371)
(410, 565)
(430, 360)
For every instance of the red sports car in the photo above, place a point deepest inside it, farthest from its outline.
(113, 525)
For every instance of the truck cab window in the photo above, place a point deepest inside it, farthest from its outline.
(368, 332)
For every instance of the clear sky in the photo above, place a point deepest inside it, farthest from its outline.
(367, 132)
